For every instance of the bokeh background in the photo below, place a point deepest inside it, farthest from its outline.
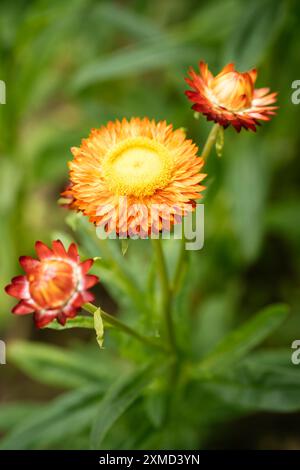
(71, 66)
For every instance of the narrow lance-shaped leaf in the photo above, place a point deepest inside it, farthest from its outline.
(265, 381)
(242, 340)
(55, 366)
(13, 413)
(255, 30)
(119, 398)
(65, 416)
(77, 322)
(158, 53)
(99, 328)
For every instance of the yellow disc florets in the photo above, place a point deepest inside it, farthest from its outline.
(137, 166)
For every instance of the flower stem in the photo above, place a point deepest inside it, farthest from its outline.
(180, 267)
(113, 321)
(166, 292)
(212, 136)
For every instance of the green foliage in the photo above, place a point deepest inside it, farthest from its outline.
(72, 66)
(242, 340)
(12, 413)
(77, 322)
(118, 399)
(55, 366)
(265, 381)
(247, 181)
(99, 328)
(66, 416)
(259, 26)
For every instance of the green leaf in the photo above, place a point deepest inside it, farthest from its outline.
(247, 182)
(12, 413)
(254, 32)
(265, 381)
(128, 20)
(55, 366)
(283, 217)
(77, 322)
(160, 53)
(64, 237)
(242, 340)
(113, 269)
(99, 328)
(64, 417)
(119, 398)
(73, 219)
(124, 246)
(207, 25)
(156, 405)
(212, 321)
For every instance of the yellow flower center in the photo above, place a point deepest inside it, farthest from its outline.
(233, 90)
(52, 283)
(137, 166)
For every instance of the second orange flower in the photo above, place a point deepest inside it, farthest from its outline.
(230, 98)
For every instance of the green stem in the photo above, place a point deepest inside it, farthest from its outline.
(166, 292)
(212, 136)
(181, 263)
(210, 141)
(113, 321)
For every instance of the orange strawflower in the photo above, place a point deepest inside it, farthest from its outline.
(230, 97)
(54, 286)
(125, 170)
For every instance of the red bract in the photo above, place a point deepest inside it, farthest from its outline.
(230, 98)
(54, 286)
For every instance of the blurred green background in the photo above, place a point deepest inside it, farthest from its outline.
(71, 66)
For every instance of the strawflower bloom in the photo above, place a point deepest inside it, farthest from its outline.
(230, 98)
(54, 286)
(126, 169)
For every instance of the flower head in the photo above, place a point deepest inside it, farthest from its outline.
(125, 170)
(54, 286)
(230, 97)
